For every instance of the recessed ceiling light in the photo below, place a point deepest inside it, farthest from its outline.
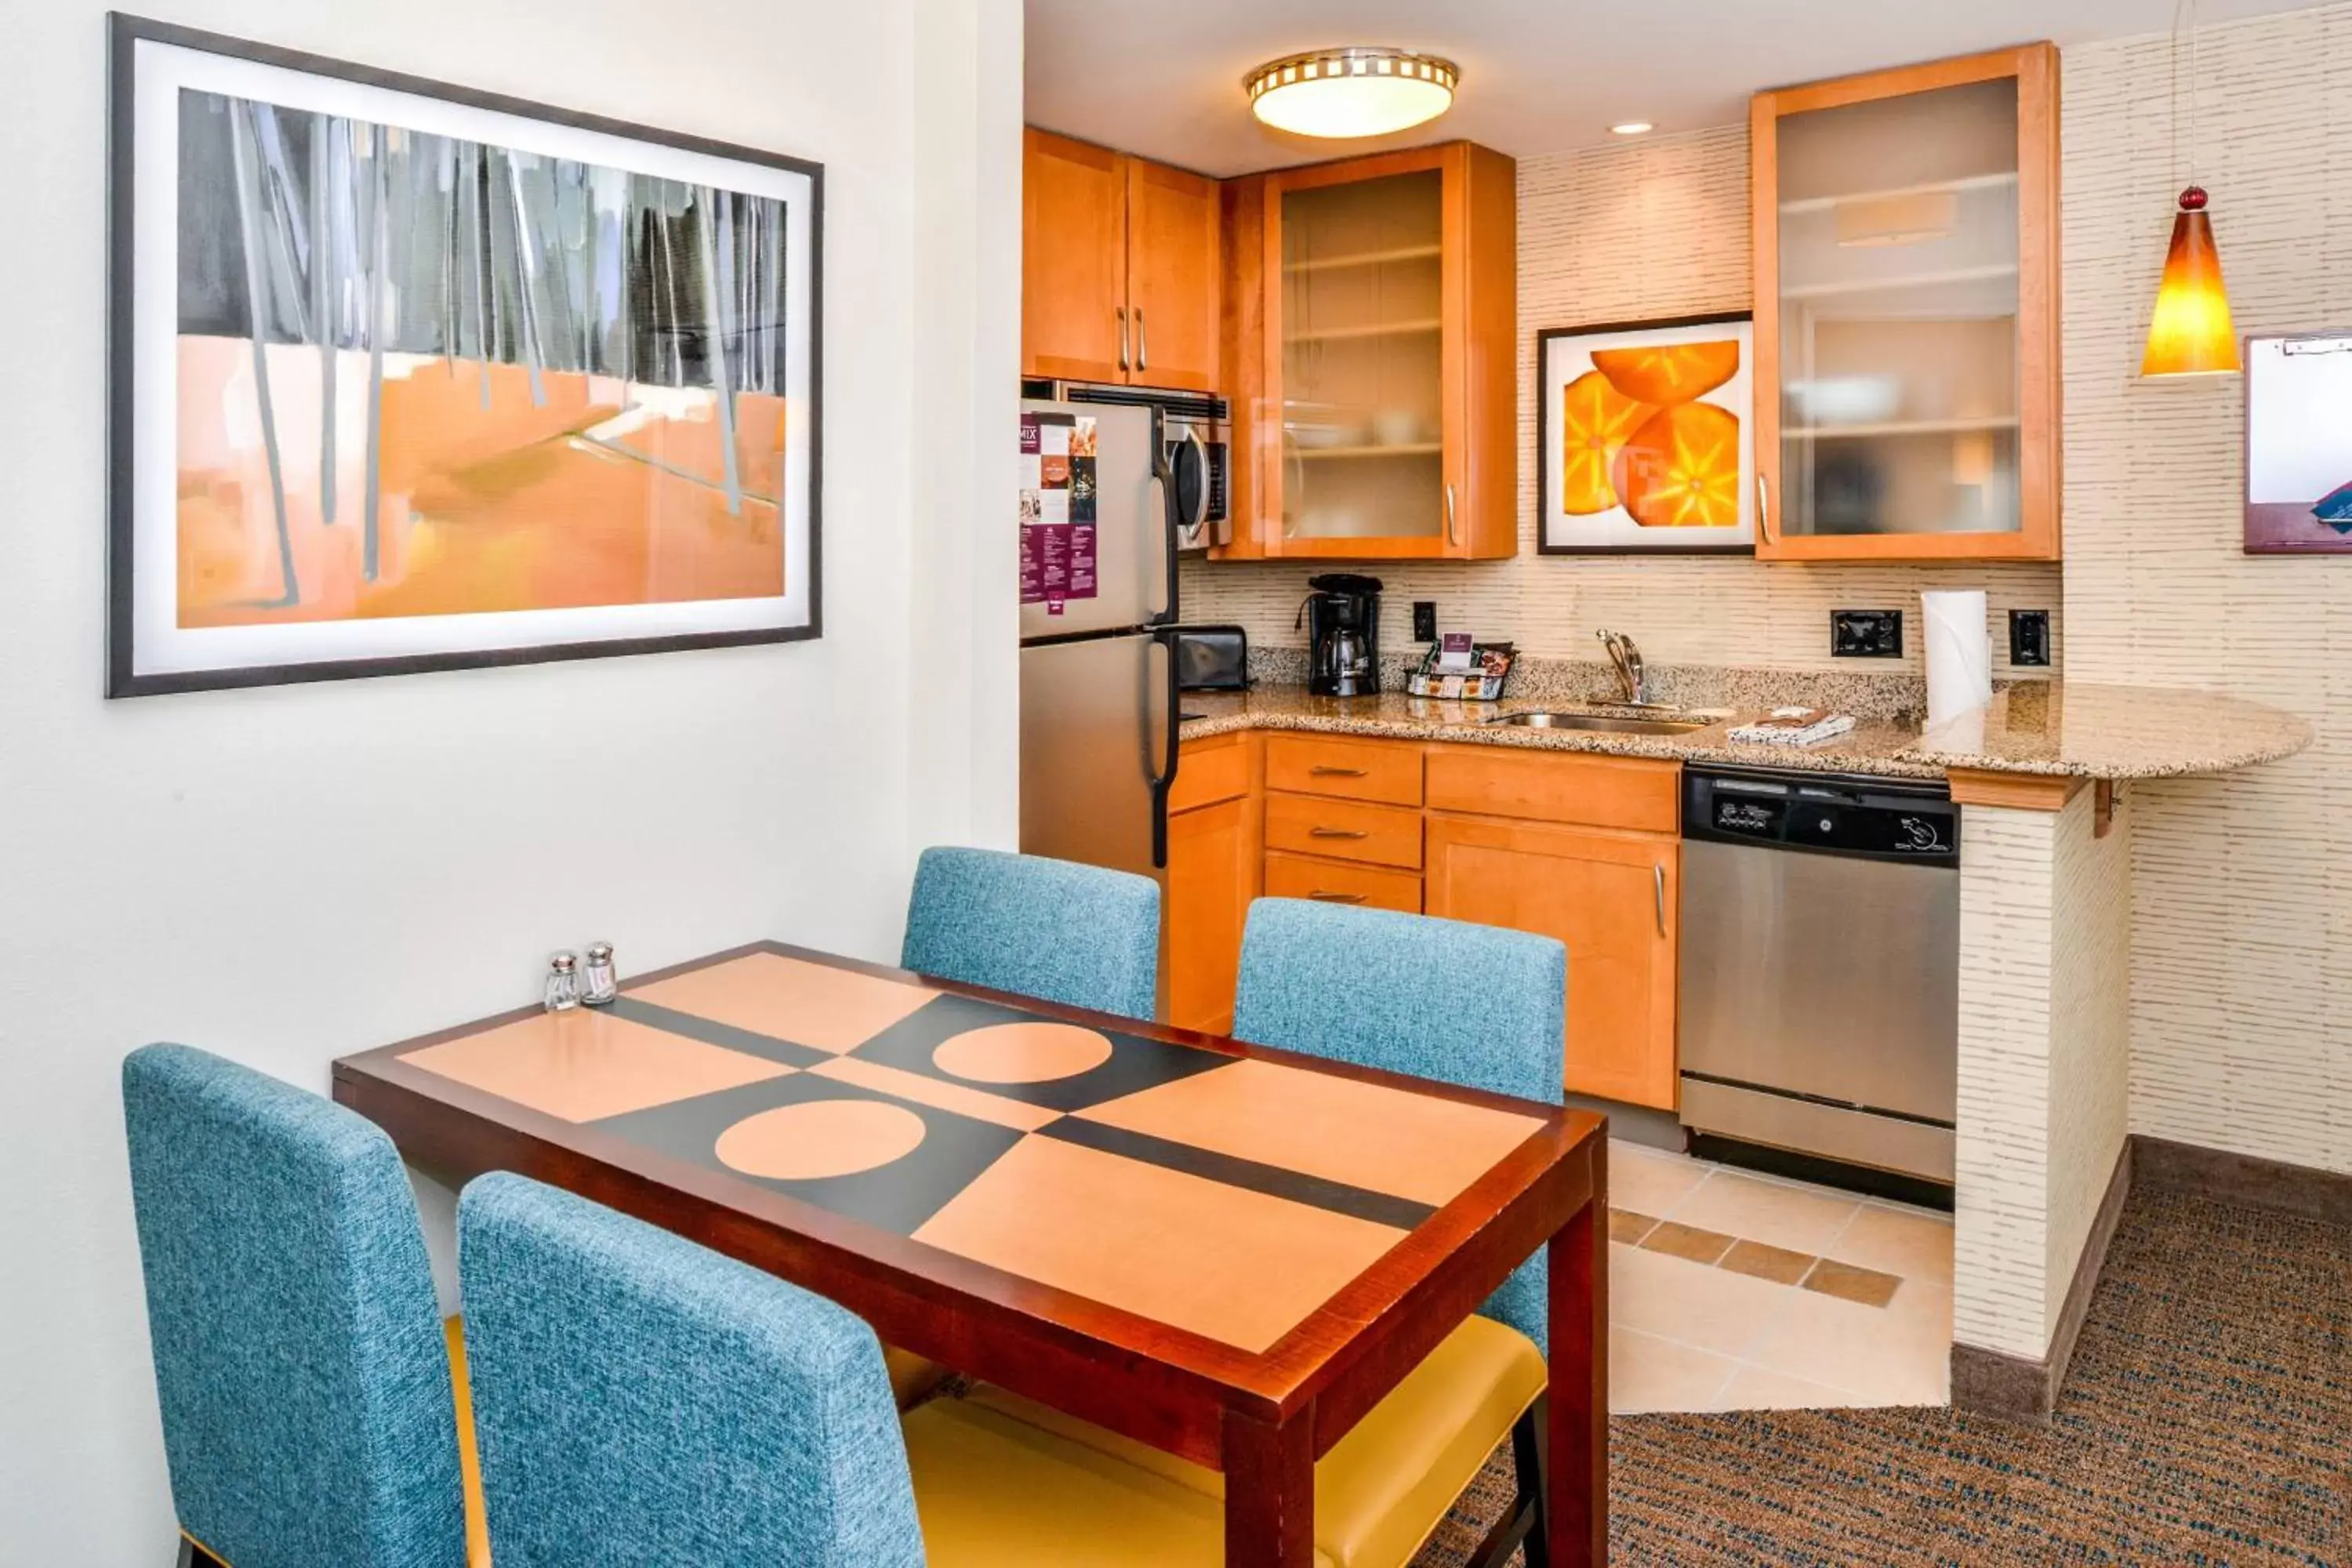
(1632, 128)
(1347, 92)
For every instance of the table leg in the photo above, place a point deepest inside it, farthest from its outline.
(1270, 1491)
(1578, 1309)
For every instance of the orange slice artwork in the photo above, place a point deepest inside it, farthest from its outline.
(1675, 372)
(1681, 468)
(1595, 419)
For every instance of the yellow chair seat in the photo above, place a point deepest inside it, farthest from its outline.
(1000, 1475)
(995, 1492)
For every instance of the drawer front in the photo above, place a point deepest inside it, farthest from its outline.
(1330, 882)
(1628, 792)
(1210, 771)
(1385, 770)
(1343, 830)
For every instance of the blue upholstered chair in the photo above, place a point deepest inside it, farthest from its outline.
(643, 1400)
(1469, 1005)
(299, 1355)
(1079, 935)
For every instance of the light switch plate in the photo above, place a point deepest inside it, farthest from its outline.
(1865, 634)
(1425, 620)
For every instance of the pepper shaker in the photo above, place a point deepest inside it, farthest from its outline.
(563, 992)
(599, 982)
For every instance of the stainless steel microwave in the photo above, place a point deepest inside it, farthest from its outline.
(1198, 431)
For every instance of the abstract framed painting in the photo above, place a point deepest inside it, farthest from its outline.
(404, 376)
(1646, 443)
(2299, 444)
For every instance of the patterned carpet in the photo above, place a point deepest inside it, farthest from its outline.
(2206, 1419)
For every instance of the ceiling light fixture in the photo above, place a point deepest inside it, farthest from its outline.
(1632, 128)
(2191, 332)
(1348, 92)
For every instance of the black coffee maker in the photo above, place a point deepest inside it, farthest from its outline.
(1342, 617)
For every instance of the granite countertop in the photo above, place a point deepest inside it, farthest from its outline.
(2037, 727)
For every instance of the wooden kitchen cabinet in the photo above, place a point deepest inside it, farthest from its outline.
(1906, 336)
(1172, 270)
(1120, 267)
(1610, 897)
(1582, 848)
(1213, 875)
(1372, 357)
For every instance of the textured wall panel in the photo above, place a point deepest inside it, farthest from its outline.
(2090, 1031)
(2001, 1241)
(1634, 232)
(2242, 970)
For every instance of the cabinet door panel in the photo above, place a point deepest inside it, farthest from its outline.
(1172, 269)
(1211, 877)
(1211, 771)
(1073, 259)
(1611, 898)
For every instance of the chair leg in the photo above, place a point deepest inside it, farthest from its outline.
(194, 1556)
(1531, 1456)
(1523, 1522)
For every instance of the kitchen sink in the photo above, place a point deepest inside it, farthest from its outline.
(1613, 723)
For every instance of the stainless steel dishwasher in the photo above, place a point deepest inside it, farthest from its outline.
(1820, 965)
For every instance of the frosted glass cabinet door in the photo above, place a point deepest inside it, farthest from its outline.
(1375, 397)
(1906, 320)
(1362, 352)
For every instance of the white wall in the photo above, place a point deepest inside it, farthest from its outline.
(291, 874)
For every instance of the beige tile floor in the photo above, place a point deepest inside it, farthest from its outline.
(1693, 1336)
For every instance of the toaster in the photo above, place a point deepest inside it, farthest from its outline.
(1211, 659)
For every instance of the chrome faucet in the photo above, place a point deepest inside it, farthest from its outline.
(1628, 660)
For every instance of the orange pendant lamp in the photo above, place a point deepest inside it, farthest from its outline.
(2191, 332)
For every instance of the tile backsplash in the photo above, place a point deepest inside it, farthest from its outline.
(1623, 233)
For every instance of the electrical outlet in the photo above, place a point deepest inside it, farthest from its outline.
(1425, 620)
(1865, 634)
(2028, 638)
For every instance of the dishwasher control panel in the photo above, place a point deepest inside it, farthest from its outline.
(1836, 815)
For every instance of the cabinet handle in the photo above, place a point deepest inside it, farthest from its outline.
(1142, 343)
(1335, 833)
(1658, 871)
(1320, 771)
(1121, 312)
(1763, 510)
(1320, 896)
(1451, 536)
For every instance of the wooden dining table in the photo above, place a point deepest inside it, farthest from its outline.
(1225, 1251)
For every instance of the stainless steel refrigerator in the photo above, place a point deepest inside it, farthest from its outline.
(1098, 697)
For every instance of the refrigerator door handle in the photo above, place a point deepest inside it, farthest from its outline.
(1170, 528)
(1163, 780)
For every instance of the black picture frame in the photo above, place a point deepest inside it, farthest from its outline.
(1550, 335)
(124, 34)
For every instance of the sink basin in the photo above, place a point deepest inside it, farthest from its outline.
(1613, 723)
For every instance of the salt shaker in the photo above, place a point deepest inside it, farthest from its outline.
(599, 983)
(563, 992)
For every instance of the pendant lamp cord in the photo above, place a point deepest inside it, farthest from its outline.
(2184, 19)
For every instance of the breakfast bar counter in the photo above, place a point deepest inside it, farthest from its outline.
(2045, 728)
